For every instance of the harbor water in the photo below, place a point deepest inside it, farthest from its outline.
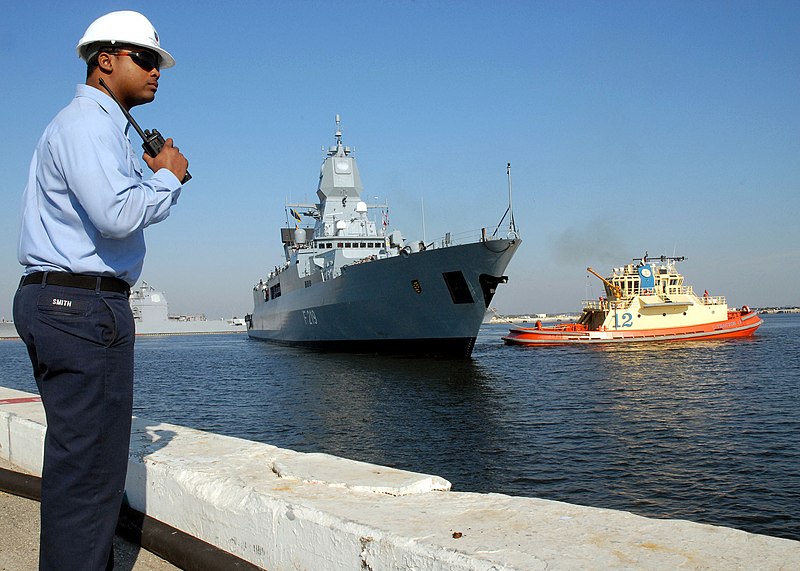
(704, 430)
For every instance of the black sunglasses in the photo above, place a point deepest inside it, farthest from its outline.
(146, 60)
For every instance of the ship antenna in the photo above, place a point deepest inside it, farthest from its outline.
(512, 226)
(338, 131)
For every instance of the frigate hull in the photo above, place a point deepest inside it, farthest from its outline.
(430, 302)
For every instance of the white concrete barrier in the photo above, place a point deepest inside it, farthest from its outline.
(284, 510)
(22, 425)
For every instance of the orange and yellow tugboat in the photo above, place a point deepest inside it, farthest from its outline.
(645, 301)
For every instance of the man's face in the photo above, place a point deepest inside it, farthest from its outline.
(136, 75)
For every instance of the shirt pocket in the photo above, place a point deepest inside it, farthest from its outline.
(135, 164)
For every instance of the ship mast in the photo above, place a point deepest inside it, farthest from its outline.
(338, 132)
(512, 225)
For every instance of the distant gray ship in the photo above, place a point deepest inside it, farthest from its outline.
(347, 285)
(8, 330)
(151, 315)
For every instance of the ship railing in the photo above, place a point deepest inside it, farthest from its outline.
(713, 300)
(607, 304)
(705, 299)
(459, 238)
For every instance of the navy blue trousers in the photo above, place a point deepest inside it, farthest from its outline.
(81, 347)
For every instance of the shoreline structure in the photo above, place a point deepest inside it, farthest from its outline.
(280, 509)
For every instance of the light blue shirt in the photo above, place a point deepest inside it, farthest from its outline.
(86, 205)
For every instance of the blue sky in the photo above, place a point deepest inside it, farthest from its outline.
(667, 127)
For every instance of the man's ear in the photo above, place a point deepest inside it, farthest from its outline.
(105, 62)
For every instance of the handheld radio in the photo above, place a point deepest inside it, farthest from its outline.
(152, 140)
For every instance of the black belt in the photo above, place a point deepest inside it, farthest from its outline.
(82, 281)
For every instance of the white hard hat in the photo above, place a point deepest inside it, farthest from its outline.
(124, 27)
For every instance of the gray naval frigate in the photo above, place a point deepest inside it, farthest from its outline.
(152, 318)
(347, 284)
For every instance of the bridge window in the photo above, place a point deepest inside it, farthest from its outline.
(275, 291)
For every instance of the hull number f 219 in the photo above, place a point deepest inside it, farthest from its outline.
(309, 317)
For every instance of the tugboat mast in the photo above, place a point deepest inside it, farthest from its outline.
(646, 259)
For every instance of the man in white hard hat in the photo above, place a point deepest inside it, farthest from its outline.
(85, 208)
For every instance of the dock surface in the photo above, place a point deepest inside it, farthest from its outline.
(19, 538)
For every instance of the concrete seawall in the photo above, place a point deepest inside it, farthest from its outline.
(284, 510)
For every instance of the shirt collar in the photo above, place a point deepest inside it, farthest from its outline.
(106, 103)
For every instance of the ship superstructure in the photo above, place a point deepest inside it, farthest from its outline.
(348, 284)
